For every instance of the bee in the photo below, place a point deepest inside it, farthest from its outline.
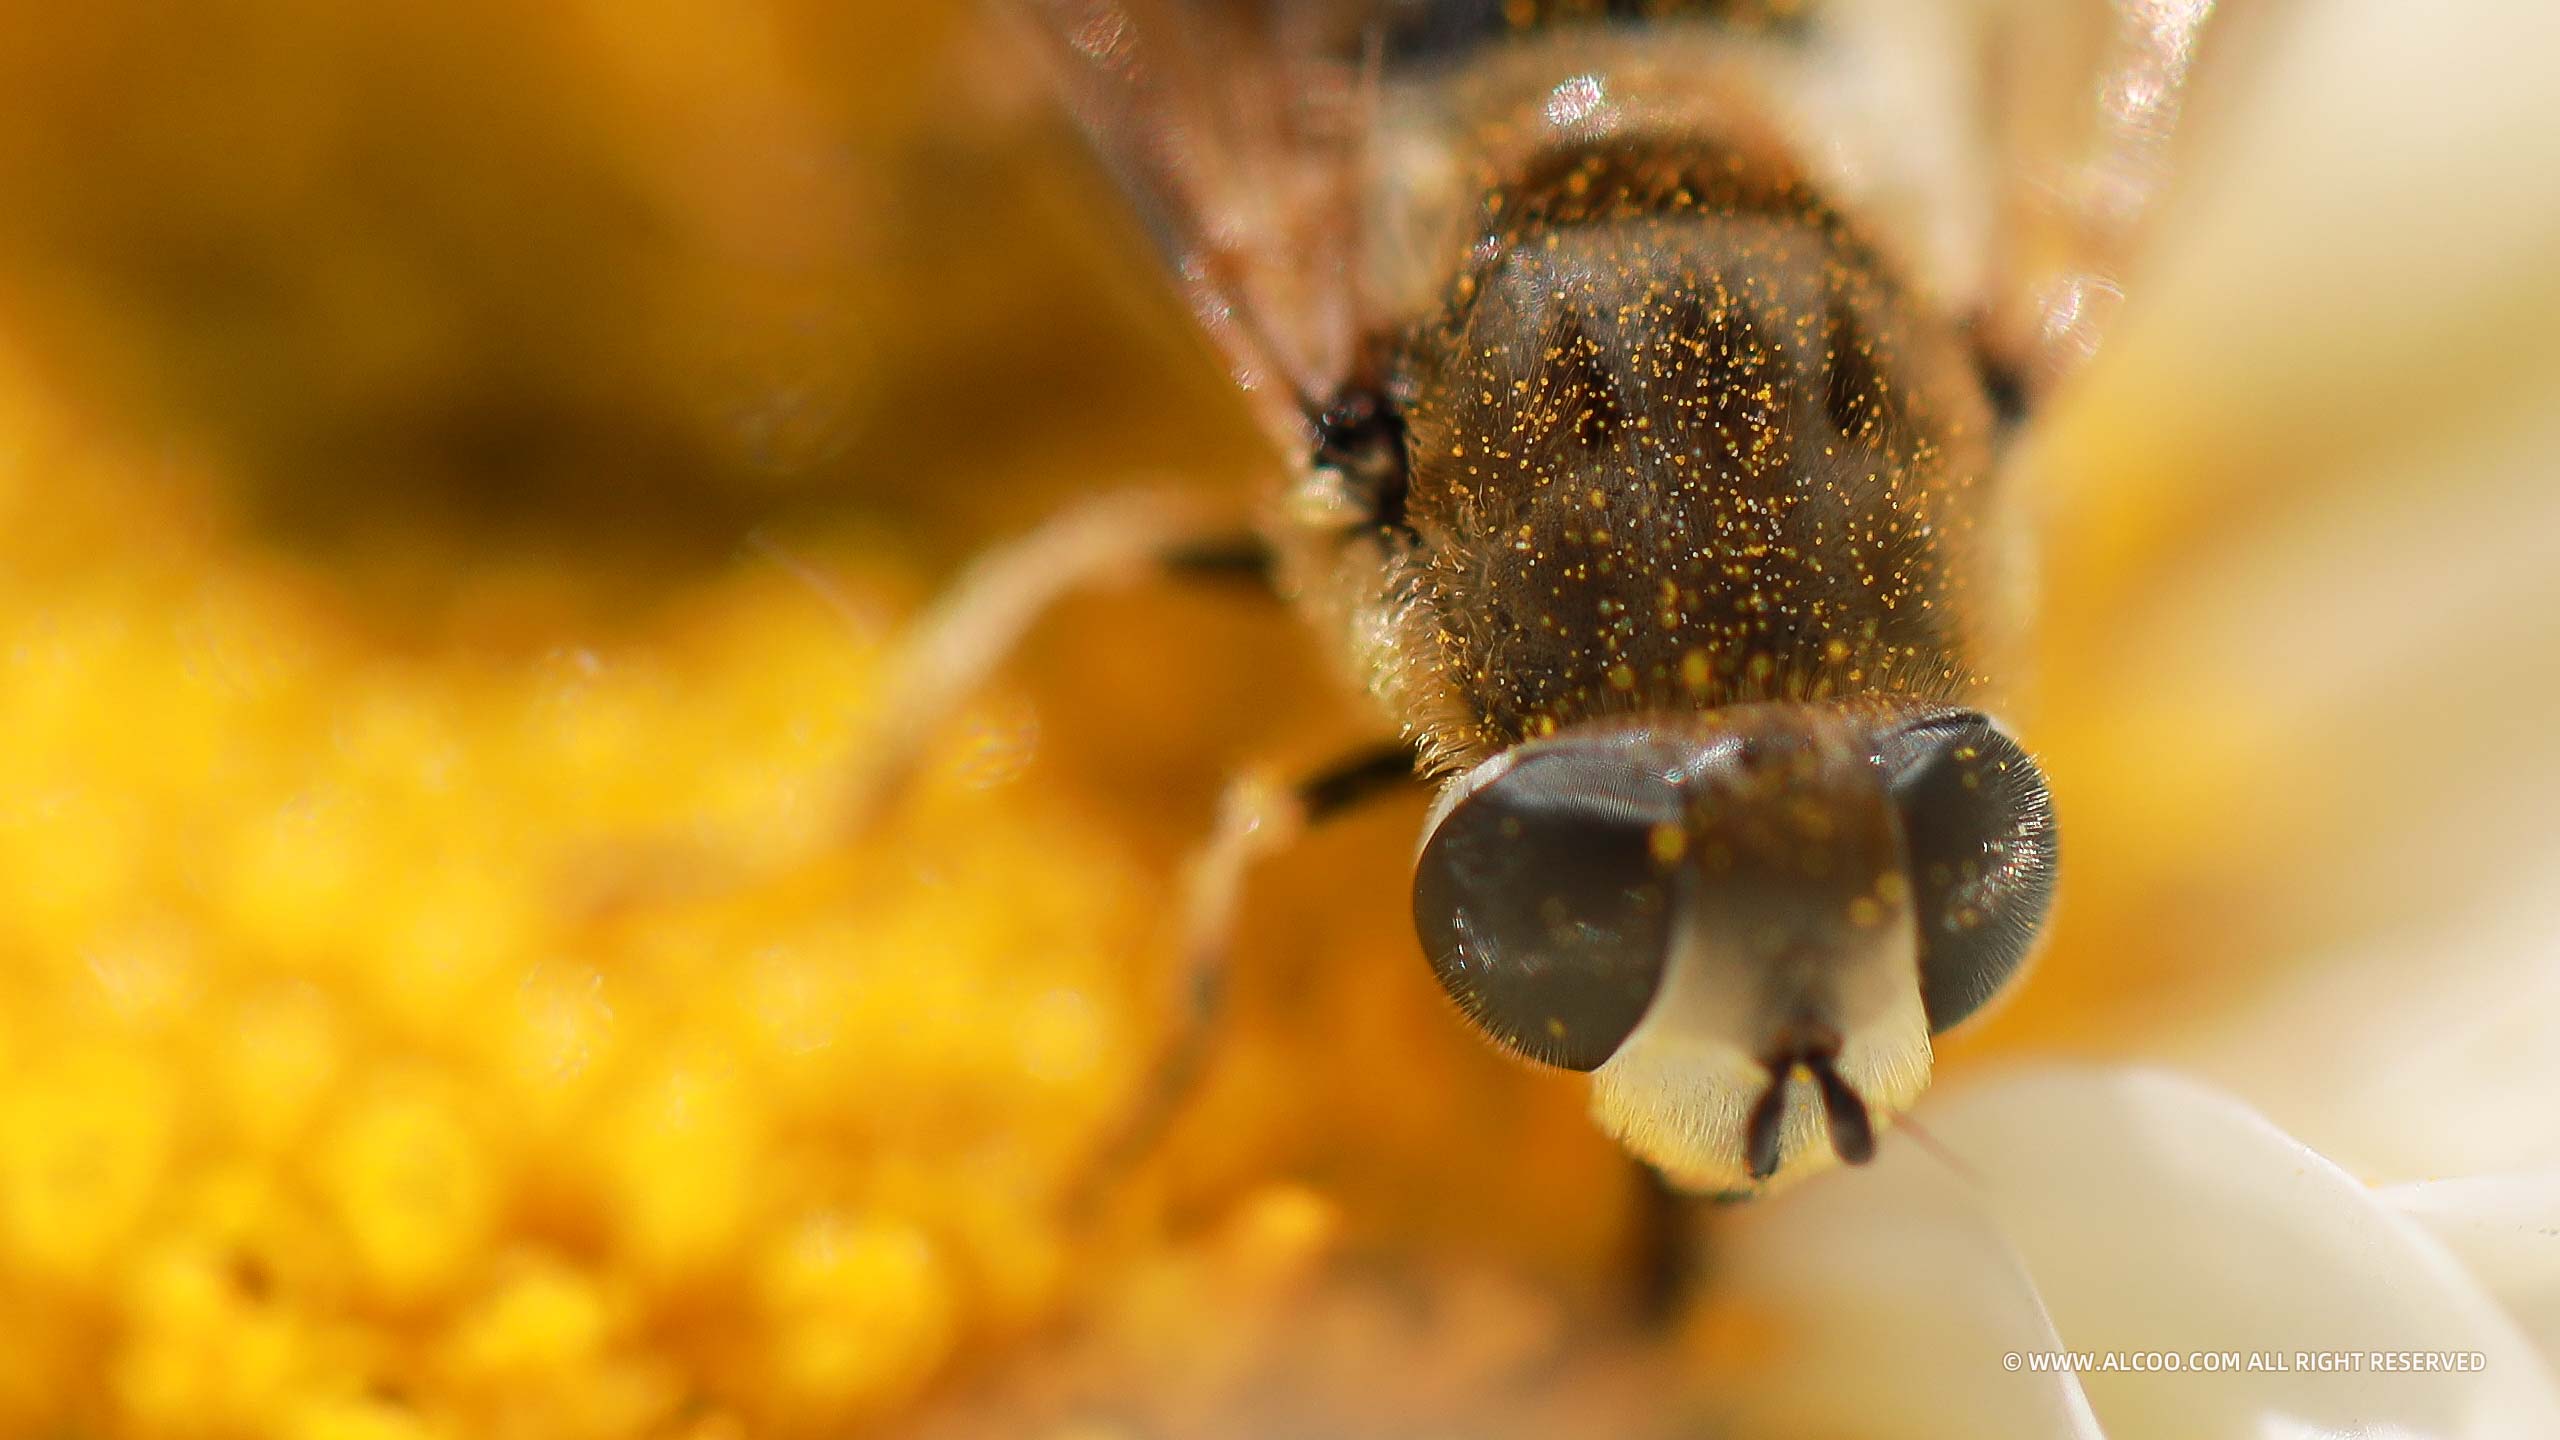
(1646, 380)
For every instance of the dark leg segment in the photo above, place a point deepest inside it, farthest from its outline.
(1242, 559)
(1665, 1245)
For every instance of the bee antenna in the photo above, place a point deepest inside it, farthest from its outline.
(1760, 1137)
(1853, 1134)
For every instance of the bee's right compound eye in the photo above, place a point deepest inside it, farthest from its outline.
(1544, 900)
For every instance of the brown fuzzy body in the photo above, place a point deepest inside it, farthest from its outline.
(1680, 436)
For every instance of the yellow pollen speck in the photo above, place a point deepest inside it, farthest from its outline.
(1621, 677)
(1695, 671)
(1668, 842)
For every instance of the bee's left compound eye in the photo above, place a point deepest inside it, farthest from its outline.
(1978, 823)
(1544, 900)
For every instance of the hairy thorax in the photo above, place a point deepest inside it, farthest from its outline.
(1678, 437)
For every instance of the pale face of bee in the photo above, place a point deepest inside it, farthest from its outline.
(1649, 477)
(1746, 924)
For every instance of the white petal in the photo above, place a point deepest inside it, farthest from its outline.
(2143, 1214)
(2506, 1228)
(1896, 1299)
(2382, 183)
(2422, 1054)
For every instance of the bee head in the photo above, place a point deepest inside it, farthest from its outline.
(1747, 924)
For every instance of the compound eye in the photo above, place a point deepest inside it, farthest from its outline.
(1544, 900)
(1977, 822)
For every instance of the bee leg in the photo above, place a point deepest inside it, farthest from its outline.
(1256, 819)
(1666, 1245)
(961, 639)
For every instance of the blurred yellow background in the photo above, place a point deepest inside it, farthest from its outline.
(433, 998)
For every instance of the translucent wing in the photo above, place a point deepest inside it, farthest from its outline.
(2090, 95)
(1237, 128)
(1234, 128)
